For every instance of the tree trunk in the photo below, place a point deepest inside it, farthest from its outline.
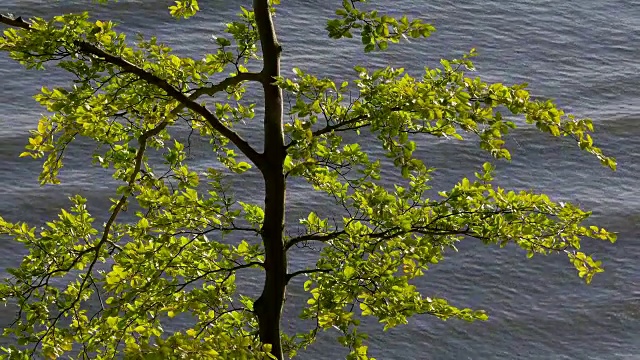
(269, 305)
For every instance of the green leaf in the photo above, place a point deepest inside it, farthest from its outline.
(349, 271)
(243, 166)
(243, 248)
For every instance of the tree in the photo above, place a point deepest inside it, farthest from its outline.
(97, 291)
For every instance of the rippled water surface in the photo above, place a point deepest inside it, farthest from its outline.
(584, 54)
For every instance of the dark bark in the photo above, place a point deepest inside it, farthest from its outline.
(269, 305)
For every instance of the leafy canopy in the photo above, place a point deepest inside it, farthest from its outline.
(163, 285)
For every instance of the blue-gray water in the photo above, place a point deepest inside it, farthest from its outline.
(584, 54)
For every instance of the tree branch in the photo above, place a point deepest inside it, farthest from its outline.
(17, 22)
(184, 100)
(343, 125)
(340, 125)
(213, 121)
(313, 237)
(387, 234)
(306, 271)
(221, 86)
(207, 273)
(334, 127)
(142, 140)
